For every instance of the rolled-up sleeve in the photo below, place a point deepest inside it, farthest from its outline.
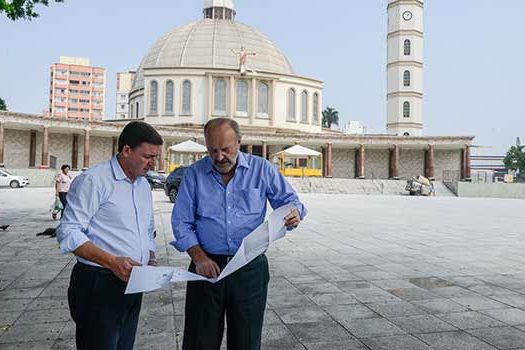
(280, 192)
(183, 215)
(83, 200)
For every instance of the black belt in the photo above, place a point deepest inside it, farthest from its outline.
(220, 259)
(87, 267)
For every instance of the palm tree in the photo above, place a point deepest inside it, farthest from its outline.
(330, 116)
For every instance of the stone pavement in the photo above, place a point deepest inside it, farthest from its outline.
(362, 272)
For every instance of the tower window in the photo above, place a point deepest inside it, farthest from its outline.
(406, 134)
(408, 47)
(406, 109)
(406, 78)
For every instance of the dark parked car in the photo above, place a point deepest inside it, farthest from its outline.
(171, 187)
(155, 179)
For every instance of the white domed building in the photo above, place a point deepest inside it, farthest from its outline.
(218, 67)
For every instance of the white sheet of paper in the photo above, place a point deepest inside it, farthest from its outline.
(276, 227)
(181, 275)
(149, 278)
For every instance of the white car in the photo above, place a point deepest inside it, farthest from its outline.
(13, 181)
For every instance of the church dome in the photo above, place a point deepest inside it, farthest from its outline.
(213, 43)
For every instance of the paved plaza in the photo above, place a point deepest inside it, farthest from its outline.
(362, 272)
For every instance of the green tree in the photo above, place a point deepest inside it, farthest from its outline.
(515, 157)
(330, 116)
(22, 9)
(3, 106)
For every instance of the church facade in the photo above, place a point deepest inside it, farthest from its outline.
(218, 67)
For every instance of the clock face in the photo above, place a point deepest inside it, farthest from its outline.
(407, 15)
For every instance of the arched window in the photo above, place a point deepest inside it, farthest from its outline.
(137, 109)
(406, 78)
(407, 47)
(186, 97)
(153, 100)
(304, 107)
(242, 96)
(316, 109)
(220, 96)
(406, 134)
(290, 114)
(262, 98)
(169, 97)
(406, 109)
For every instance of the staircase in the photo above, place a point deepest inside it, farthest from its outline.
(356, 186)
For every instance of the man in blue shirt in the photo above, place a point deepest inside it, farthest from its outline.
(108, 225)
(221, 200)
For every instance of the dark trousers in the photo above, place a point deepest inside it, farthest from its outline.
(63, 200)
(241, 296)
(105, 317)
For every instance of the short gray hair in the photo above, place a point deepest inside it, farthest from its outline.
(218, 122)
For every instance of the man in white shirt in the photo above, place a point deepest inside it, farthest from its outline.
(108, 224)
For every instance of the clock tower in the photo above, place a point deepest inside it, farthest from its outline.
(405, 68)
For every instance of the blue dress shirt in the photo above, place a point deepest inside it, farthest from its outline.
(217, 216)
(106, 208)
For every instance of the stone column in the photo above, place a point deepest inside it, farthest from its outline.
(249, 149)
(468, 167)
(264, 150)
(329, 160)
(253, 101)
(232, 108)
(114, 147)
(361, 162)
(429, 166)
(465, 163)
(45, 148)
(32, 149)
(2, 144)
(86, 149)
(162, 156)
(74, 153)
(324, 162)
(394, 166)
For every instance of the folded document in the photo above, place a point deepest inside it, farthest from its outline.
(150, 278)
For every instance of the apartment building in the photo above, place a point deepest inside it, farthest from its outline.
(124, 84)
(76, 89)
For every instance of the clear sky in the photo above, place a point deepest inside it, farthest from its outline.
(474, 55)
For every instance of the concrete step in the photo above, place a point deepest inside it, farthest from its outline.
(357, 186)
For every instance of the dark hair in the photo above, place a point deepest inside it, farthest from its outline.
(218, 122)
(136, 133)
(63, 167)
